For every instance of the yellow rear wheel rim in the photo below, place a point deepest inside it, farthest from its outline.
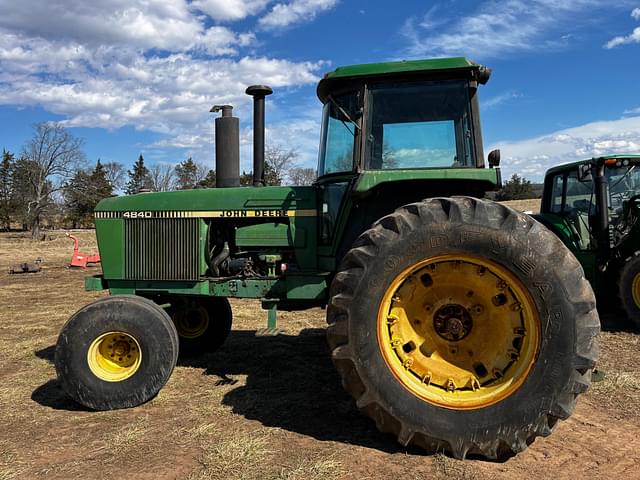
(192, 321)
(458, 331)
(635, 290)
(114, 356)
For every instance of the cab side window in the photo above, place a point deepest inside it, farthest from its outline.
(556, 194)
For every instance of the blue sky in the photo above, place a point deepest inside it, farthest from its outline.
(139, 76)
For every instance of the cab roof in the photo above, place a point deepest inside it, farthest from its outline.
(437, 67)
(571, 165)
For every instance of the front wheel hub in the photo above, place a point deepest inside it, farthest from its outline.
(452, 322)
(114, 356)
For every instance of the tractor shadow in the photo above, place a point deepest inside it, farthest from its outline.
(614, 320)
(291, 384)
(51, 394)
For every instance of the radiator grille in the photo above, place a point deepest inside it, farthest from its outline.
(161, 249)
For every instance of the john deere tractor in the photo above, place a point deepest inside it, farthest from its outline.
(456, 323)
(594, 207)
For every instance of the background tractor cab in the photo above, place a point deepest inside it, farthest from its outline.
(594, 207)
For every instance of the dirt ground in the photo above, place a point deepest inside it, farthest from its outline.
(268, 408)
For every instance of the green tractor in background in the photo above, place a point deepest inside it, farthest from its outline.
(457, 323)
(594, 207)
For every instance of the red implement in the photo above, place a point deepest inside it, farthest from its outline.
(80, 259)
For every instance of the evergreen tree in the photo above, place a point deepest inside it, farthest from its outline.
(139, 178)
(100, 184)
(187, 174)
(76, 197)
(209, 181)
(516, 188)
(83, 192)
(7, 167)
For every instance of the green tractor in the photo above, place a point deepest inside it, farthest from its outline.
(456, 323)
(594, 207)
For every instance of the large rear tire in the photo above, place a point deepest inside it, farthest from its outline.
(461, 325)
(629, 289)
(116, 352)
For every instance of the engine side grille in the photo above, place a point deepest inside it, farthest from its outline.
(161, 249)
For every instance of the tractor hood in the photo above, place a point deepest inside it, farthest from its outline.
(210, 202)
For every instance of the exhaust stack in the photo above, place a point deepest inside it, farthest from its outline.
(227, 147)
(258, 92)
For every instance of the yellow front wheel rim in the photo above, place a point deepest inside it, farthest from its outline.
(458, 331)
(114, 356)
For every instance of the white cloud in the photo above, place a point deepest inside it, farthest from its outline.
(156, 65)
(230, 10)
(498, 28)
(532, 157)
(136, 23)
(296, 11)
(633, 37)
(501, 99)
(417, 157)
(162, 94)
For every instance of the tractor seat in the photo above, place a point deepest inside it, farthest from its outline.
(579, 224)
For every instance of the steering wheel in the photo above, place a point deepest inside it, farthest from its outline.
(622, 196)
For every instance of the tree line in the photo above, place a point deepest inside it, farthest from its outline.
(50, 182)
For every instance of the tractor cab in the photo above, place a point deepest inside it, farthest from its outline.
(411, 120)
(395, 132)
(594, 206)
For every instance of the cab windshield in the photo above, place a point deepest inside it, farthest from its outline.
(419, 125)
(624, 183)
(338, 137)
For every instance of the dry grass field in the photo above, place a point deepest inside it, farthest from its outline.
(259, 408)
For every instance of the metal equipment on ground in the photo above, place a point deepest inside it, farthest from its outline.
(456, 323)
(79, 259)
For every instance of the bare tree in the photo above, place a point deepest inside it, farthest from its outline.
(163, 177)
(52, 156)
(302, 176)
(202, 170)
(278, 162)
(116, 175)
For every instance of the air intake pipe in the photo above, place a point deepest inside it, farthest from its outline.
(227, 147)
(258, 92)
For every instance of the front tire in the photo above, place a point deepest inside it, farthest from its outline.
(460, 325)
(116, 352)
(629, 289)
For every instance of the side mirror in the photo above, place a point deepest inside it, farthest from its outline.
(584, 172)
(494, 158)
